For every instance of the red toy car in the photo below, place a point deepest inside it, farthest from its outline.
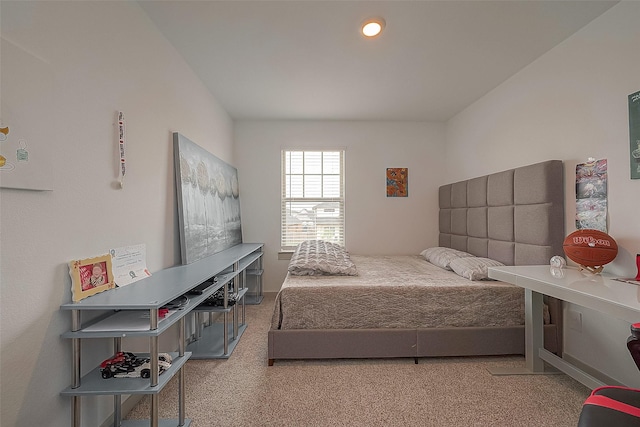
(128, 365)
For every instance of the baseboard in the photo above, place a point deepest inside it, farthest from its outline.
(590, 370)
(127, 406)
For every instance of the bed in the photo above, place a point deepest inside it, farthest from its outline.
(416, 306)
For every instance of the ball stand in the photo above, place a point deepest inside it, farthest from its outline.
(592, 270)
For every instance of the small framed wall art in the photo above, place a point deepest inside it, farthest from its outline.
(397, 182)
(91, 276)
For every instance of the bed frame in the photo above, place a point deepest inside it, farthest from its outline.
(515, 217)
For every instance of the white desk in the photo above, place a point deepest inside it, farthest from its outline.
(597, 292)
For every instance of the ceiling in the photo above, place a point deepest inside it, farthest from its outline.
(295, 60)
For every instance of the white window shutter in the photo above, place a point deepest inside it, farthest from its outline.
(312, 197)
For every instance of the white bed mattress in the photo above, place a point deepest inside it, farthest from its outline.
(395, 292)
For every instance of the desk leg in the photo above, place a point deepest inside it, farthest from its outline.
(533, 330)
(533, 338)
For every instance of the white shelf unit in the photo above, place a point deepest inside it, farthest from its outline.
(217, 340)
(254, 282)
(147, 296)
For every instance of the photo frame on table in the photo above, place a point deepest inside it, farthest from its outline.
(91, 276)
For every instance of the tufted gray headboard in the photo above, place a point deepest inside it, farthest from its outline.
(515, 217)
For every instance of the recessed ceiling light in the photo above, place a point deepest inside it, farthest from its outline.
(372, 27)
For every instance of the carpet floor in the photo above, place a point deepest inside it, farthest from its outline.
(442, 392)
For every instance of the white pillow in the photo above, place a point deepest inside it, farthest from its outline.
(442, 257)
(473, 268)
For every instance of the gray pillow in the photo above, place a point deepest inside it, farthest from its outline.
(319, 257)
(442, 257)
(473, 268)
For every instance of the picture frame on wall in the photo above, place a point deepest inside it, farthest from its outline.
(591, 195)
(91, 276)
(397, 182)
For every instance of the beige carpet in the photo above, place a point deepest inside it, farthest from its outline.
(244, 391)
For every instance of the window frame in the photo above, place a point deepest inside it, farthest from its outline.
(289, 240)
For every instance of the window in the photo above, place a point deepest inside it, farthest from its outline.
(312, 197)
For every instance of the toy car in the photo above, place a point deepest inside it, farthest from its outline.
(121, 362)
(128, 365)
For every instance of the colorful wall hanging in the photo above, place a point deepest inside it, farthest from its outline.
(397, 182)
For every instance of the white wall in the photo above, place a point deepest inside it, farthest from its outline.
(375, 223)
(570, 104)
(106, 56)
(103, 57)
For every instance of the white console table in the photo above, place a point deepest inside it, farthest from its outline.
(599, 292)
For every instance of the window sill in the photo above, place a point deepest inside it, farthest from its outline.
(285, 255)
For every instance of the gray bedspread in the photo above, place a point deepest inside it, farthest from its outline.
(395, 292)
